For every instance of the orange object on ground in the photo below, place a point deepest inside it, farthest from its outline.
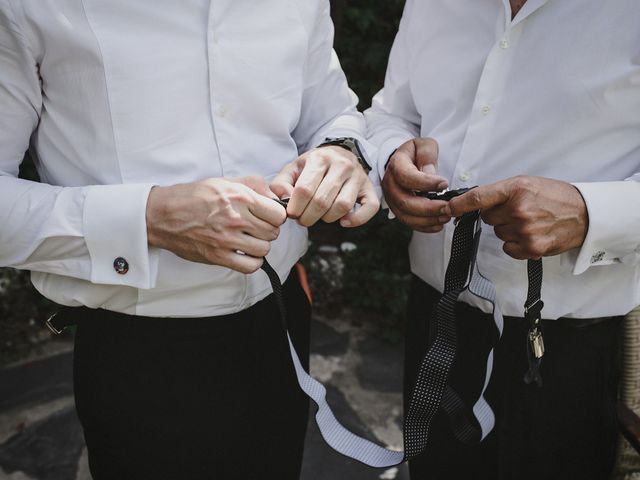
(304, 281)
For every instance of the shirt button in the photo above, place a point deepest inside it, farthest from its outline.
(485, 109)
(222, 111)
(120, 265)
(464, 176)
(504, 44)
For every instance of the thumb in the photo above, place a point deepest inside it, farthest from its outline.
(426, 154)
(282, 185)
(427, 159)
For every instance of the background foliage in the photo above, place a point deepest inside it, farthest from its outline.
(373, 277)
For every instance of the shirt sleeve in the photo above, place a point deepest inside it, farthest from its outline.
(393, 118)
(72, 231)
(614, 224)
(329, 107)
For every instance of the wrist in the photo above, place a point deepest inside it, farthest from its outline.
(352, 145)
(156, 210)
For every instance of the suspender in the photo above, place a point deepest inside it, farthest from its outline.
(431, 390)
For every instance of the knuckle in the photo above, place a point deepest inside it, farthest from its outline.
(305, 221)
(475, 198)
(403, 204)
(242, 197)
(304, 191)
(519, 211)
(526, 231)
(343, 205)
(247, 268)
(537, 248)
(321, 158)
(344, 163)
(211, 256)
(522, 182)
(264, 249)
(322, 203)
(226, 240)
(235, 221)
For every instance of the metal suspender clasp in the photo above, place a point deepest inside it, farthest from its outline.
(536, 340)
(52, 327)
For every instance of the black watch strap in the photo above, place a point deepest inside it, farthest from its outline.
(351, 144)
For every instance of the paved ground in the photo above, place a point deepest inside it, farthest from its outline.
(40, 438)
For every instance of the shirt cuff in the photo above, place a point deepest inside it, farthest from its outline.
(614, 223)
(115, 231)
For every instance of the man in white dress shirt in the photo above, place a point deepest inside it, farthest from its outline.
(156, 128)
(538, 103)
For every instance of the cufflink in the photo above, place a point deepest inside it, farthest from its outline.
(120, 265)
(598, 256)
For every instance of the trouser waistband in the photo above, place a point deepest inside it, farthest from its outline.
(572, 322)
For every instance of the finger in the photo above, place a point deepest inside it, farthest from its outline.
(258, 185)
(266, 209)
(306, 186)
(252, 246)
(324, 198)
(407, 203)
(499, 215)
(423, 223)
(506, 233)
(262, 230)
(239, 262)
(516, 250)
(369, 206)
(479, 198)
(426, 155)
(344, 202)
(406, 174)
(282, 184)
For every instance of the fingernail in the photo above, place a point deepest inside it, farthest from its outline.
(444, 219)
(345, 223)
(446, 210)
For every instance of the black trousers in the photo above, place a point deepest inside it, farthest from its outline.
(193, 398)
(564, 430)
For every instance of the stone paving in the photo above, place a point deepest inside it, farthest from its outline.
(40, 438)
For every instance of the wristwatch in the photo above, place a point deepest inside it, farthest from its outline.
(351, 144)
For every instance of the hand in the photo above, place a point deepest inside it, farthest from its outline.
(412, 168)
(325, 183)
(535, 217)
(227, 222)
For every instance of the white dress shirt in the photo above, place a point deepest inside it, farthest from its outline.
(117, 96)
(553, 93)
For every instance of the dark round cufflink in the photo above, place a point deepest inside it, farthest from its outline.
(120, 265)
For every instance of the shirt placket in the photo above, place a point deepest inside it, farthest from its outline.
(213, 56)
(483, 115)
